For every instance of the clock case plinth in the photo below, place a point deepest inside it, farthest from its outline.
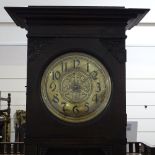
(98, 31)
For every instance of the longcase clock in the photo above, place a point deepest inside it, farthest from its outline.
(76, 94)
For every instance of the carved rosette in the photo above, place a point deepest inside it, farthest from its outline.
(36, 46)
(116, 48)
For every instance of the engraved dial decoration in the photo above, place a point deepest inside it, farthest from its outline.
(75, 87)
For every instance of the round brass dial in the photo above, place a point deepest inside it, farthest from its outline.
(75, 87)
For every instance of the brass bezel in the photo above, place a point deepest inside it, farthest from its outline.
(59, 114)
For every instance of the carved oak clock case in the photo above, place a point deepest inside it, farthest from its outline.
(76, 94)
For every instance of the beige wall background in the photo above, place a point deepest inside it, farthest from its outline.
(140, 66)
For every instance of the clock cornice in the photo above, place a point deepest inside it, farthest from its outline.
(75, 15)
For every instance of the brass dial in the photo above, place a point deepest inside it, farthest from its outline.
(75, 87)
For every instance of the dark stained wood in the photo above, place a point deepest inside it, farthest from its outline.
(75, 15)
(98, 31)
(138, 148)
